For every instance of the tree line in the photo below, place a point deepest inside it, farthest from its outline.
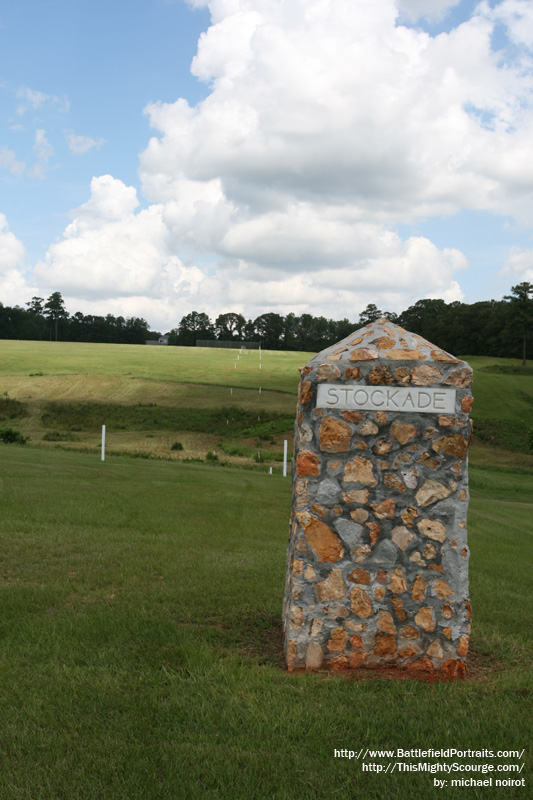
(49, 319)
(499, 328)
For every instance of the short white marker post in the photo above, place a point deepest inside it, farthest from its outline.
(103, 442)
(285, 458)
(259, 366)
(259, 390)
(270, 473)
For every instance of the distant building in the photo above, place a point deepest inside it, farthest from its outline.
(161, 340)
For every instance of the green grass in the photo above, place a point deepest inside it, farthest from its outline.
(140, 606)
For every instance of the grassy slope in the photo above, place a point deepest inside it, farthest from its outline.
(203, 377)
(140, 609)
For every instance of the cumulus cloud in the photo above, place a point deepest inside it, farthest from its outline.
(12, 282)
(327, 126)
(519, 264)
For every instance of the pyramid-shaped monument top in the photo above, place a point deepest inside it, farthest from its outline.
(382, 354)
(382, 340)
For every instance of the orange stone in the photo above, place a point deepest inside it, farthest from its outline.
(408, 652)
(422, 665)
(403, 433)
(380, 376)
(462, 649)
(356, 496)
(397, 584)
(381, 418)
(332, 588)
(382, 576)
(353, 416)
(459, 377)
(468, 606)
(454, 669)
(386, 623)
(424, 375)
(356, 659)
(435, 650)
(334, 435)
(418, 588)
(360, 470)
(453, 445)
(338, 639)
(385, 645)
(338, 664)
(447, 632)
(392, 481)
(374, 530)
(364, 354)
(384, 510)
(442, 356)
(327, 372)
(304, 392)
(442, 589)
(361, 603)
(402, 375)
(359, 576)
(408, 632)
(452, 422)
(408, 516)
(433, 529)
(307, 463)
(428, 461)
(383, 342)
(425, 619)
(356, 640)
(379, 592)
(291, 654)
(404, 355)
(324, 542)
(447, 611)
(359, 514)
(352, 373)
(397, 607)
(430, 492)
(382, 447)
(466, 404)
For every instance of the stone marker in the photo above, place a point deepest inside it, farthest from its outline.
(377, 568)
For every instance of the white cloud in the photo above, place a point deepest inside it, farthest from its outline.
(36, 100)
(12, 282)
(79, 145)
(9, 161)
(519, 264)
(43, 151)
(327, 126)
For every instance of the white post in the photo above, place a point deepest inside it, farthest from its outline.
(270, 471)
(235, 365)
(285, 458)
(103, 442)
(259, 390)
(260, 365)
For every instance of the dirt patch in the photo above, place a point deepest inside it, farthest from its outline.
(268, 649)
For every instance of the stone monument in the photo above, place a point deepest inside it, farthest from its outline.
(377, 567)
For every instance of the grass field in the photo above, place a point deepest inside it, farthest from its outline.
(140, 613)
(159, 378)
(141, 642)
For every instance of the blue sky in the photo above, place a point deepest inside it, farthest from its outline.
(158, 156)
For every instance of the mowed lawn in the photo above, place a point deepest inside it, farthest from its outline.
(140, 642)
